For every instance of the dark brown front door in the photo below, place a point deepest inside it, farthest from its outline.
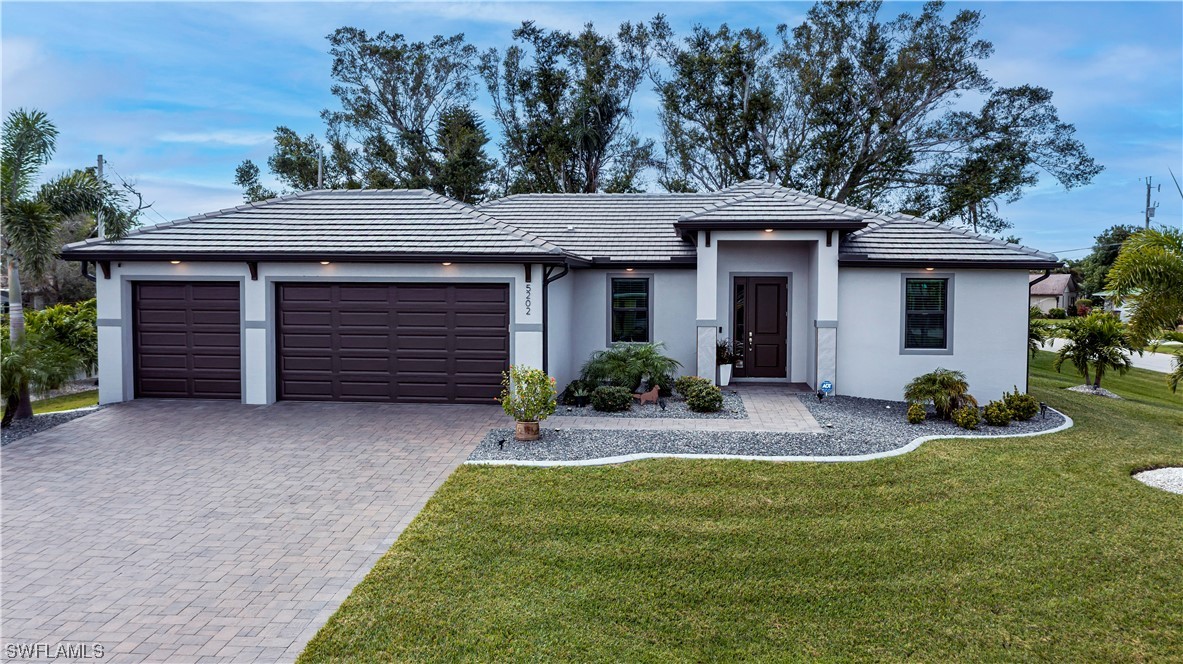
(761, 325)
(187, 340)
(392, 342)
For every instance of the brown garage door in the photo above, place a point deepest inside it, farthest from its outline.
(392, 342)
(187, 340)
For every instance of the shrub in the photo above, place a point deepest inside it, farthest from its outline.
(1083, 306)
(1021, 406)
(996, 414)
(71, 325)
(704, 398)
(684, 384)
(916, 414)
(37, 361)
(967, 417)
(528, 394)
(1057, 313)
(611, 399)
(627, 364)
(946, 390)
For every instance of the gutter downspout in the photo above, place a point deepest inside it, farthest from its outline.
(546, 279)
(89, 277)
(1046, 273)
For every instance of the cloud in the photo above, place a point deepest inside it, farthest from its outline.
(218, 136)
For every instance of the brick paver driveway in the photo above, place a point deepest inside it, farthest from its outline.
(205, 531)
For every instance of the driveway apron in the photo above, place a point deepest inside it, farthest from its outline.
(184, 531)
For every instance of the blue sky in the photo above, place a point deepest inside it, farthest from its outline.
(175, 95)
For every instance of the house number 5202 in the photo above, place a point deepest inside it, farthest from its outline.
(528, 303)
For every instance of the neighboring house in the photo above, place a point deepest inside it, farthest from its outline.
(1124, 311)
(1056, 291)
(398, 295)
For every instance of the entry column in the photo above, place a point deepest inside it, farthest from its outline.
(707, 305)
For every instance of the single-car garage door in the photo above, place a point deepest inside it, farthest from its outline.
(187, 340)
(392, 342)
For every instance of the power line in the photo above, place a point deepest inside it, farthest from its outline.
(128, 186)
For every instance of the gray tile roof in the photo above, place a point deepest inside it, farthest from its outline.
(902, 238)
(624, 227)
(321, 222)
(616, 227)
(756, 200)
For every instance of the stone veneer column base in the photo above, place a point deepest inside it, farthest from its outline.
(706, 353)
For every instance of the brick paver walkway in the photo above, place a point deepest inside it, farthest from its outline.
(205, 531)
(772, 407)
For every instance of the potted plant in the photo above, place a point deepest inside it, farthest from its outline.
(528, 396)
(726, 353)
(581, 395)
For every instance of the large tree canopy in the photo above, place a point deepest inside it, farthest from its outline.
(562, 102)
(859, 110)
(404, 122)
(886, 113)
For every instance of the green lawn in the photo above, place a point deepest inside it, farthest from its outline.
(1015, 549)
(66, 402)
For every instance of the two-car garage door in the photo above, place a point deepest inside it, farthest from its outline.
(335, 342)
(392, 342)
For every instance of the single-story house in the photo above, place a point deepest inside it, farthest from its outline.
(408, 296)
(1052, 291)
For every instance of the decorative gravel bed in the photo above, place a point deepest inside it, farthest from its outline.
(1167, 479)
(675, 407)
(38, 423)
(854, 426)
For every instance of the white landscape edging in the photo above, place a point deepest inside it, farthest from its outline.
(624, 458)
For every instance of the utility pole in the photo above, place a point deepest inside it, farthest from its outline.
(98, 214)
(1149, 209)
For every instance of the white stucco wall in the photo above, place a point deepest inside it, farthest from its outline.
(989, 332)
(257, 300)
(559, 329)
(672, 309)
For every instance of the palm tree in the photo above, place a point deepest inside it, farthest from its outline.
(946, 390)
(1099, 341)
(32, 216)
(1149, 270)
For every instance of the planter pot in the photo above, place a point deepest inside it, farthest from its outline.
(527, 431)
(725, 374)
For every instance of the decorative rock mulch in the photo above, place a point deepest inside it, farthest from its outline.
(1095, 391)
(675, 407)
(1167, 479)
(854, 427)
(38, 423)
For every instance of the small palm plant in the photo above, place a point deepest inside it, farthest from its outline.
(37, 364)
(946, 390)
(1100, 342)
(627, 364)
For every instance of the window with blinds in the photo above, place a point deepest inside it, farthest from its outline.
(630, 309)
(926, 321)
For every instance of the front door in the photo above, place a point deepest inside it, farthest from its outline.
(761, 325)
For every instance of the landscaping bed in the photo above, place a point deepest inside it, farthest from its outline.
(853, 427)
(38, 423)
(675, 407)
